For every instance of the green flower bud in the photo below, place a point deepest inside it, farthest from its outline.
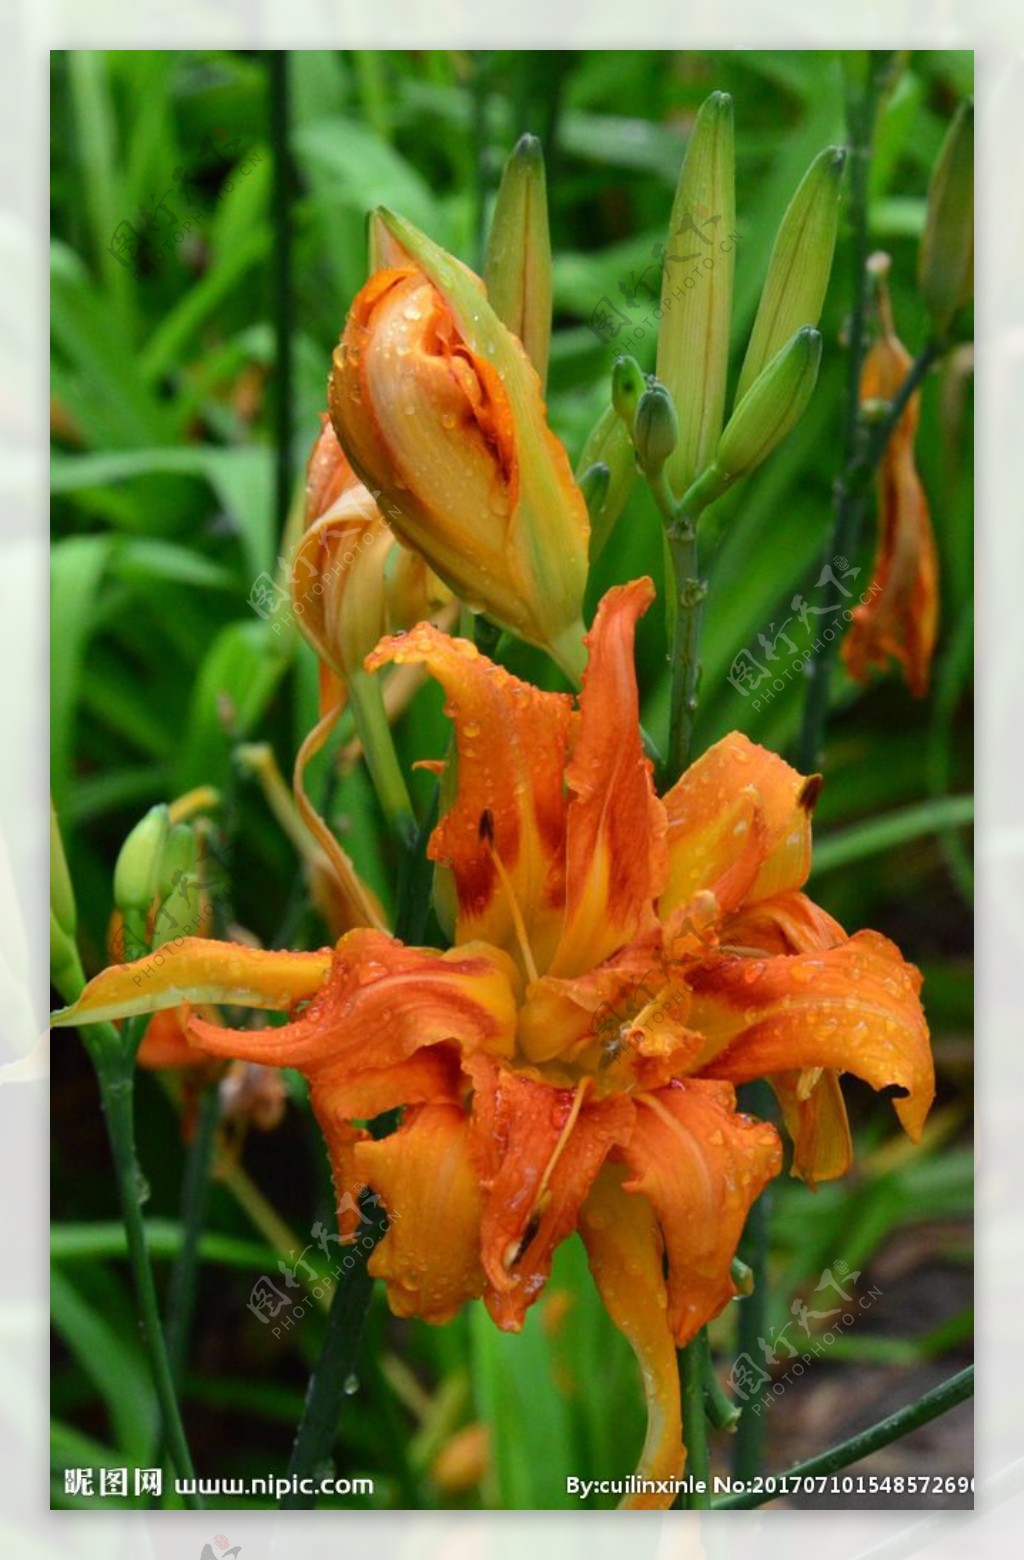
(696, 293)
(609, 449)
(656, 430)
(771, 407)
(946, 257)
(180, 854)
(517, 269)
(137, 873)
(799, 268)
(62, 897)
(594, 484)
(179, 888)
(628, 386)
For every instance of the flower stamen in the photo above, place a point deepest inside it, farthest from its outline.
(487, 835)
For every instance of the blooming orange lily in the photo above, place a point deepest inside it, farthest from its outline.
(900, 618)
(621, 962)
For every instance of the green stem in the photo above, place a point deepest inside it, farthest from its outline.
(282, 282)
(194, 1194)
(863, 446)
(860, 114)
(114, 1062)
(693, 1363)
(753, 1321)
(371, 720)
(315, 1435)
(721, 1411)
(352, 1296)
(938, 1401)
(690, 592)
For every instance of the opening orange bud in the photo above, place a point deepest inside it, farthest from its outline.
(441, 414)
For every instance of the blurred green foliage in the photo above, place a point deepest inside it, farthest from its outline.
(163, 387)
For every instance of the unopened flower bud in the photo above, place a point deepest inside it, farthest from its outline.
(771, 407)
(606, 473)
(517, 270)
(137, 873)
(656, 430)
(946, 259)
(799, 269)
(627, 387)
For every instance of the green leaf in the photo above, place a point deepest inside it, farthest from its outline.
(113, 1364)
(884, 834)
(236, 682)
(77, 566)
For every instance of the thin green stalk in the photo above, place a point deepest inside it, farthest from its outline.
(690, 591)
(861, 115)
(748, 1451)
(281, 201)
(378, 742)
(721, 1411)
(351, 1301)
(327, 1385)
(114, 1062)
(181, 1293)
(478, 87)
(112, 1054)
(934, 1403)
(692, 1366)
(373, 91)
(864, 444)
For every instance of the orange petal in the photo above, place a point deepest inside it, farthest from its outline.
(537, 1150)
(165, 1043)
(328, 473)
(785, 923)
(814, 1112)
(198, 969)
(901, 616)
(624, 1248)
(379, 1004)
(615, 834)
(701, 1166)
(511, 741)
(855, 1008)
(430, 1259)
(738, 825)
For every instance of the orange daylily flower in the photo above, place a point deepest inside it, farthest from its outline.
(901, 617)
(621, 962)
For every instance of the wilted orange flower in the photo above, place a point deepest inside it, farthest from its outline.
(439, 409)
(621, 962)
(901, 616)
